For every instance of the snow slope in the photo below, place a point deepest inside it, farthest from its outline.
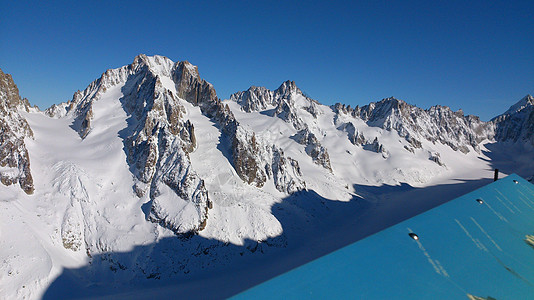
(146, 182)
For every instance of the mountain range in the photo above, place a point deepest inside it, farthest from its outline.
(150, 172)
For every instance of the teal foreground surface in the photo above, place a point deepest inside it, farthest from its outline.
(477, 245)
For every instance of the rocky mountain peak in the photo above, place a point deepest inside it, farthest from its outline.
(14, 128)
(438, 123)
(525, 102)
(254, 99)
(9, 93)
(187, 67)
(160, 138)
(517, 123)
(287, 88)
(157, 64)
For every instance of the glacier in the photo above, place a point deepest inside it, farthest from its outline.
(147, 180)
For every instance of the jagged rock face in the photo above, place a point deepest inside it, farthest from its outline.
(516, 124)
(313, 148)
(285, 110)
(284, 101)
(260, 98)
(260, 161)
(377, 147)
(14, 158)
(286, 173)
(254, 99)
(252, 162)
(158, 149)
(245, 158)
(159, 139)
(436, 157)
(355, 137)
(287, 89)
(437, 124)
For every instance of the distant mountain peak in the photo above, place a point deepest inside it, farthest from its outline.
(517, 123)
(526, 101)
(259, 98)
(157, 64)
(287, 88)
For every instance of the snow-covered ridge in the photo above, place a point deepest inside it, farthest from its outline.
(160, 136)
(517, 123)
(525, 102)
(148, 153)
(436, 124)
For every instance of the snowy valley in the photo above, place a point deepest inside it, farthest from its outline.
(146, 183)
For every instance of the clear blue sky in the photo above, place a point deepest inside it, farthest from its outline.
(478, 56)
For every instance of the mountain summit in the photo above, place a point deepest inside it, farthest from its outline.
(524, 103)
(14, 159)
(147, 174)
(517, 123)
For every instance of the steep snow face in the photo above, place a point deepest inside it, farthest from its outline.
(316, 131)
(253, 163)
(160, 137)
(157, 139)
(522, 104)
(14, 158)
(517, 123)
(148, 152)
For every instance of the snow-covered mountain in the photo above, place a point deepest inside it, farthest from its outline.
(517, 123)
(14, 160)
(148, 161)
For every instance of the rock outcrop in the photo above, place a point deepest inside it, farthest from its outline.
(436, 157)
(355, 137)
(283, 104)
(313, 147)
(377, 147)
(281, 101)
(517, 123)
(14, 158)
(254, 99)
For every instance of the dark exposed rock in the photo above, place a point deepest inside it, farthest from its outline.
(249, 159)
(436, 157)
(13, 129)
(246, 160)
(313, 147)
(516, 124)
(377, 147)
(354, 136)
(286, 173)
(254, 99)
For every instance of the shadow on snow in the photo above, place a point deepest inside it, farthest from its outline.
(511, 158)
(200, 267)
